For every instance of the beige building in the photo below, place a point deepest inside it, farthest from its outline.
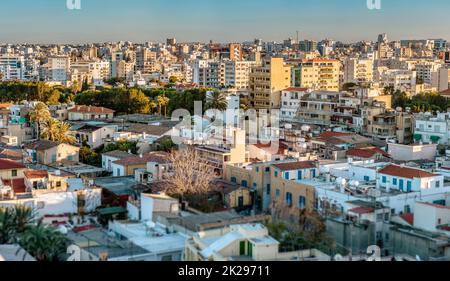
(48, 152)
(320, 74)
(267, 82)
(358, 70)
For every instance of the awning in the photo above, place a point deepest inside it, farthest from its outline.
(435, 138)
(111, 211)
(417, 137)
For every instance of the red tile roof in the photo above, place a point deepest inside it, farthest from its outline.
(90, 109)
(405, 172)
(18, 185)
(281, 147)
(35, 174)
(295, 165)
(327, 135)
(6, 164)
(295, 89)
(409, 218)
(361, 210)
(158, 157)
(434, 205)
(367, 152)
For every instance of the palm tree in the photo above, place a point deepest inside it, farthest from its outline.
(44, 243)
(50, 130)
(57, 131)
(162, 101)
(152, 106)
(24, 217)
(7, 226)
(39, 115)
(217, 100)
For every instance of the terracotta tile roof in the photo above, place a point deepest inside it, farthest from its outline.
(361, 210)
(90, 109)
(267, 147)
(157, 156)
(295, 165)
(434, 205)
(18, 185)
(295, 89)
(35, 174)
(41, 145)
(327, 135)
(446, 92)
(367, 152)
(408, 217)
(405, 172)
(6, 164)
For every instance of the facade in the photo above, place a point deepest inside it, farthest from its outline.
(267, 82)
(320, 74)
(358, 70)
(48, 152)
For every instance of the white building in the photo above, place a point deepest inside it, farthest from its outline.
(358, 70)
(432, 129)
(412, 152)
(432, 217)
(12, 67)
(290, 102)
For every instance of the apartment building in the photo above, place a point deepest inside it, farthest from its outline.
(12, 67)
(358, 70)
(319, 74)
(290, 102)
(267, 82)
(428, 72)
(57, 69)
(431, 128)
(318, 107)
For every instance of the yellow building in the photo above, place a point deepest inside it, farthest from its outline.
(319, 74)
(267, 82)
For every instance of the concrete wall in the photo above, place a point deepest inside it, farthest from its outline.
(402, 152)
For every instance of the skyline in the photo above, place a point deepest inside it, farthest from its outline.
(50, 22)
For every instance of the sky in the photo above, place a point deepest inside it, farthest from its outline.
(49, 21)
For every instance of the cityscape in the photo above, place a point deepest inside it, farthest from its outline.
(304, 148)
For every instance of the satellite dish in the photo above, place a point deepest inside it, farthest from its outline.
(63, 229)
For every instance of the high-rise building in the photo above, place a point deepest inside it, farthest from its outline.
(318, 74)
(267, 82)
(236, 52)
(358, 70)
(12, 67)
(308, 46)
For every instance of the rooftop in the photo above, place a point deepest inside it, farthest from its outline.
(405, 172)
(91, 109)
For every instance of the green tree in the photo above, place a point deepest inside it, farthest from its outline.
(39, 115)
(217, 100)
(44, 243)
(55, 130)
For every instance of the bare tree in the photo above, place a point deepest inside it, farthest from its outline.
(192, 175)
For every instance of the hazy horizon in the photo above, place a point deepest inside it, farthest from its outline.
(99, 21)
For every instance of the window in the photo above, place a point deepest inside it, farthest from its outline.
(244, 183)
(233, 180)
(255, 185)
(301, 202)
(288, 198)
(14, 173)
(277, 193)
(383, 179)
(268, 189)
(286, 175)
(394, 181)
(267, 169)
(366, 178)
(438, 184)
(408, 186)
(257, 169)
(276, 174)
(58, 184)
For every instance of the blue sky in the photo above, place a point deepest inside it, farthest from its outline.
(49, 21)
